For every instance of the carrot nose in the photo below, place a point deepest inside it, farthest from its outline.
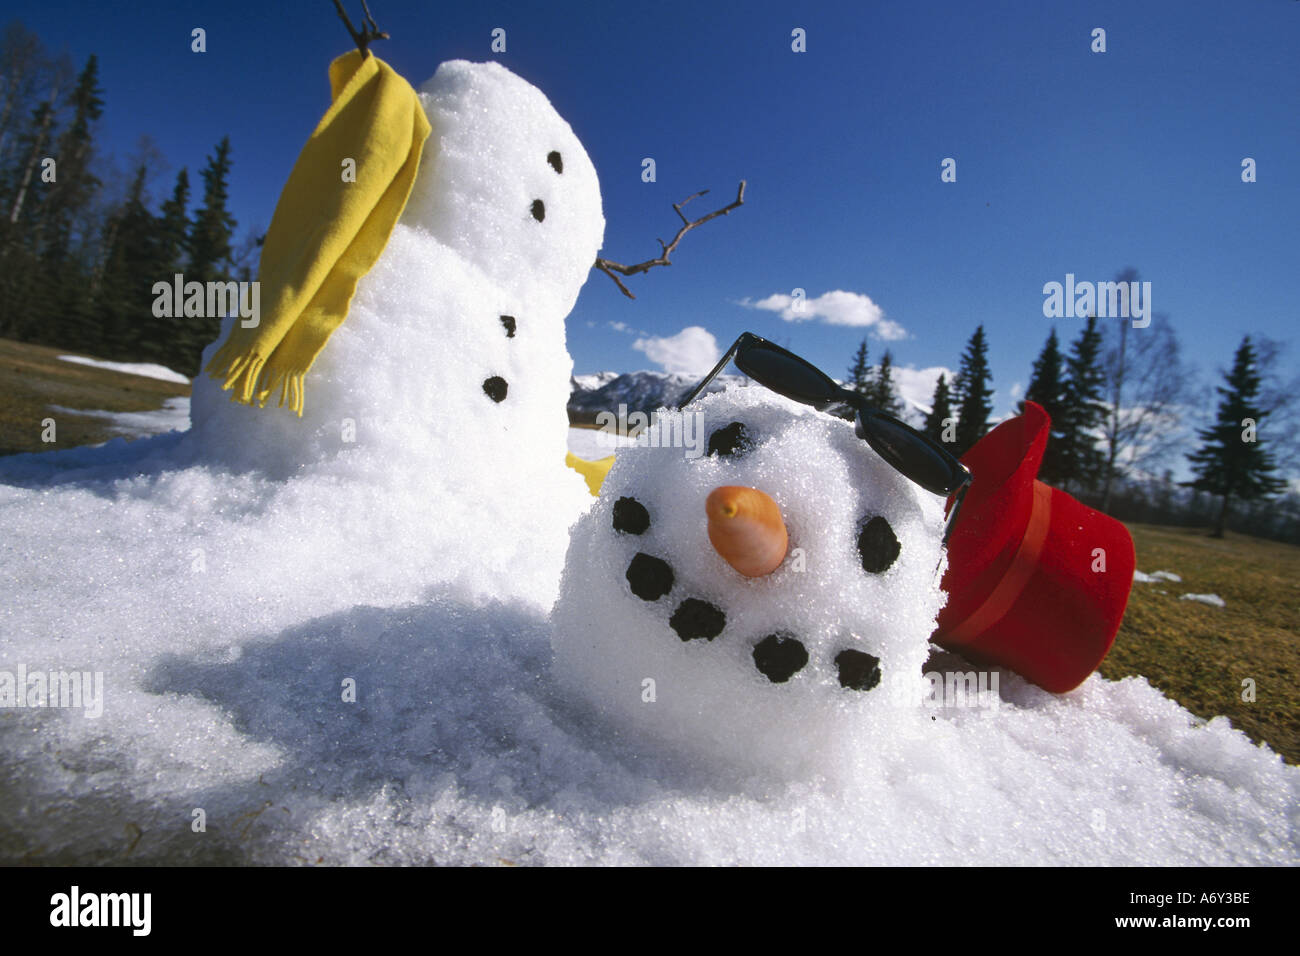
(746, 528)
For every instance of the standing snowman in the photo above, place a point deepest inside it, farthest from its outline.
(451, 367)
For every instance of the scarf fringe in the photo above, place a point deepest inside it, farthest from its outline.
(252, 380)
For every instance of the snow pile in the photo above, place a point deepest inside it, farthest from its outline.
(1212, 599)
(330, 635)
(147, 369)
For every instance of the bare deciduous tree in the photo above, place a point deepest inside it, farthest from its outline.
(1149, 390)
(1280, 395)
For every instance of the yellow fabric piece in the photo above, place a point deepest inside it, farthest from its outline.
(593, 471)
(325, 233)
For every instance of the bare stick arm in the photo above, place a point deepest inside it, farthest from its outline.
(609, 267)
(369, 29)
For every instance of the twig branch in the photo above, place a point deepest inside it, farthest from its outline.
(609, 267)
(369, 29)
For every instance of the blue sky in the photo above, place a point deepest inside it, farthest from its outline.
(1068, 161)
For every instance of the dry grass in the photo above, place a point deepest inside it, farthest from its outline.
(32, 378)
(1200, 655)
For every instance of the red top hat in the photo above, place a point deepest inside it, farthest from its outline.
(1037, 581)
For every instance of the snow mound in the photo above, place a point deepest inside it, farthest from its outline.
(1211, 599)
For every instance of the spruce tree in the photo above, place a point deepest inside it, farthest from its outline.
(859, 380)
(75, 183)
(209, 248)
(213, 227)
(65, 309)
(1083, 415)
(124, 298)
(880, 387)
(1047, 388)
(940, 410)
(23, 287)
(173, 227)
(972, 393)
(163, 339)
(859, 371)
(1233, 463)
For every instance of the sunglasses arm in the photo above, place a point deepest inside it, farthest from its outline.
(704, 383)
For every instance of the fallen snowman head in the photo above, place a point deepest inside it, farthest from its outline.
(767, 604)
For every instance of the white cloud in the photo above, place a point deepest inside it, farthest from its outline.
(915, 386)
(627, 329)
(692, 351)
(834, 308)
(1017, 391)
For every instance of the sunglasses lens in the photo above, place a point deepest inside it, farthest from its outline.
(787, 374)
(911, 454)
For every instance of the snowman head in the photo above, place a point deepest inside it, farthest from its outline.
(786, 664)
(506, 184)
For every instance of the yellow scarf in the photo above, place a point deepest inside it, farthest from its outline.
(593, 472)
(327, 232)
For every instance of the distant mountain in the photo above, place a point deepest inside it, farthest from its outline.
(646, 391)
(589, 383)
(638, 391)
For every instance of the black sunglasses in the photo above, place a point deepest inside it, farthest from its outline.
(913, 454)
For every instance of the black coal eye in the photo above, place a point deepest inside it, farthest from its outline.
(649, 577)
(495, 388)
(695, 619)
(779, 657)
(539, 210)
(556, 162)
(508, 321)
(732, 439)
(630, 516)
(877, 545)
(858, 670)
